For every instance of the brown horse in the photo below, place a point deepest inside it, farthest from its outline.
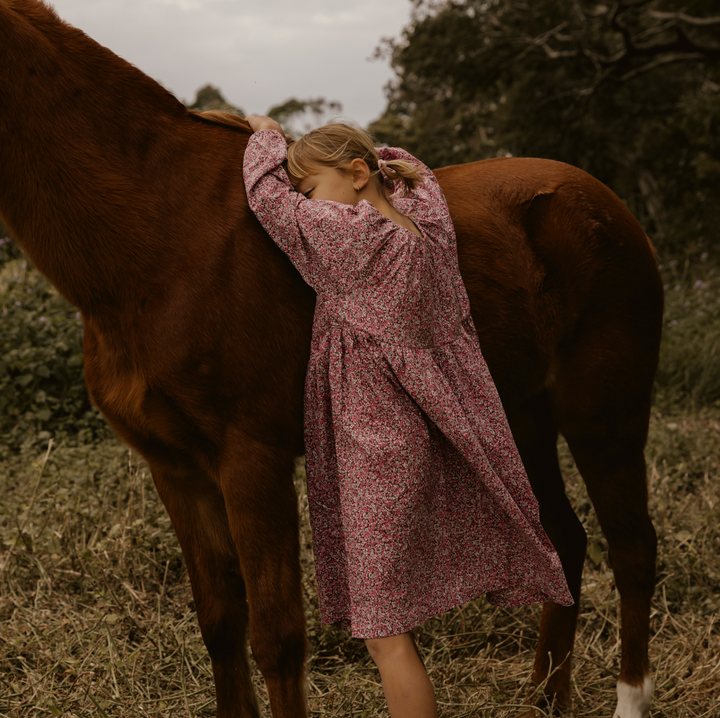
(197, 333)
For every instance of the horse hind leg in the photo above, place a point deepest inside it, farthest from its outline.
(197, 511)
(619, 495)
(536, 435)
(604, 415)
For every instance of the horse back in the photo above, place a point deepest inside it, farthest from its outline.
(549, 255)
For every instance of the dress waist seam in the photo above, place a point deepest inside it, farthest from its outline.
(330, 319)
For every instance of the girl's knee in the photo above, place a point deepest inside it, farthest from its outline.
(375, 648)
(390, 647)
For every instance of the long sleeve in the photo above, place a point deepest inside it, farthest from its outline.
(331, 244)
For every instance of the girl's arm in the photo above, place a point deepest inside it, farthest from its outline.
(331, 244)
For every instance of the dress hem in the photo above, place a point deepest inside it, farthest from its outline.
(528, 599)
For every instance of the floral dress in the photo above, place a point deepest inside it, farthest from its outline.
(418, 498)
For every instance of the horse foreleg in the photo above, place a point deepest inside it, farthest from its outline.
(536, 436)
(263, 515)
(197, 512)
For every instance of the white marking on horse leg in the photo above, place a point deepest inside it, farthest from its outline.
(634, 701)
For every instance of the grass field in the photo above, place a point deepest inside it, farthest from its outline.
(96, 615)
(97, 618)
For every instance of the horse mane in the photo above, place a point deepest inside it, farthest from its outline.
(224, 119)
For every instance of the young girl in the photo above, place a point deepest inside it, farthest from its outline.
(418, 498)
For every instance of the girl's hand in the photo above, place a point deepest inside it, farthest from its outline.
(260, 122)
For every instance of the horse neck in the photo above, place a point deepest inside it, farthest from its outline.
(95, 158)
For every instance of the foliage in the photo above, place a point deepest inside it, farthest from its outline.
(690, 351)
(628, 91)
(42, 390)
(300, 116)
(8, 249)
(210, 98)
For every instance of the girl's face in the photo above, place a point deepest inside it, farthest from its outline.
(331, 184)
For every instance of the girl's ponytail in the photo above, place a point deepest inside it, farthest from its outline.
(400, 171)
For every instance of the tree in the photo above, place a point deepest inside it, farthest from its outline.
(210, 98)
(300, 116)
(629, 91)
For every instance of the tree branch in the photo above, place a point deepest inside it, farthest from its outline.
(615, 24)
(699, 21)
(667, 60)
(681, 44)
(664, 43)
(554, 54)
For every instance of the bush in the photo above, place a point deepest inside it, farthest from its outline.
(8, 249)
(42, 387)
(689, 367)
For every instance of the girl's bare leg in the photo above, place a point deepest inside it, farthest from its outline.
(408, 690)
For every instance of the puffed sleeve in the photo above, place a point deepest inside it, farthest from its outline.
(429, 189)
(429, 198)
(331, 244)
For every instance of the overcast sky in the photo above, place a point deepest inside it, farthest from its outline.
(258, 52)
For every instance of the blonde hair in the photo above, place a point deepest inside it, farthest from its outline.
(336, 145)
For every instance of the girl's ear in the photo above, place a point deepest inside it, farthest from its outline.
(360, 174)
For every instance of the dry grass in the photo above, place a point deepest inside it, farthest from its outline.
(96, 615)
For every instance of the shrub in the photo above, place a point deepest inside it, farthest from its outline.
(8, 249)
(42, 387)
(689, 367)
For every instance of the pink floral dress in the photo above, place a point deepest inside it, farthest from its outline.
(418, 498)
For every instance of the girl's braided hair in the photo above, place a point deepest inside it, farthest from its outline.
(336, 145)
